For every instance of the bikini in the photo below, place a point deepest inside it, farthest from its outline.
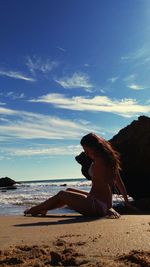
(99, 207)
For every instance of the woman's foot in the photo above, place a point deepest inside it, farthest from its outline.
(112, 214)
(32, 213)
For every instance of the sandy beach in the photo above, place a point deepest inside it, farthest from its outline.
(72, 240)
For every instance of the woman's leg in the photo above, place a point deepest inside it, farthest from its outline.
(77, 191)
(42, 208)
(75, 201)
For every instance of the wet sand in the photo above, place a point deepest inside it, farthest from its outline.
(72, 240)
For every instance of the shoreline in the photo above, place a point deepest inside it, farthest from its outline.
(96, 239)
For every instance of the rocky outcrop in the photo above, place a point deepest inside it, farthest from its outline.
(85, 163)
(7, 182)
(133, 144)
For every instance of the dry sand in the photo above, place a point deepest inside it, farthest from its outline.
(72, 240)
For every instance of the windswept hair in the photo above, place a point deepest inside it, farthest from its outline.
(104, 149)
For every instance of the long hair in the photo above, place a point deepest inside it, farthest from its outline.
(103, 148)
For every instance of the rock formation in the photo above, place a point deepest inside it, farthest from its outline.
(133, 144)
(85, 163)
(7, 182)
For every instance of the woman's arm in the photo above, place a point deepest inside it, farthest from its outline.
(120, 185)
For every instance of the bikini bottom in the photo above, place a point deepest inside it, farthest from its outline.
(99, 207)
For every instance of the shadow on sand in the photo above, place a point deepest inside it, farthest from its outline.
(142, 207)
(59, 219)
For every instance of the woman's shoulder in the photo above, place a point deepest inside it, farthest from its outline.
(100, 166)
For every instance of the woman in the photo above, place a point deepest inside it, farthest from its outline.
(104, 172)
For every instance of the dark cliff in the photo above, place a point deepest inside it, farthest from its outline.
(133, 144)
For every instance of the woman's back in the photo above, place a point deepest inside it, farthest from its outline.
(102, 181)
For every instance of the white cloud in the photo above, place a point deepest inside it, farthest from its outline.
(20, 132)
(131, 83)
(37, 64)
(123, 107)
(45, 151)
(6, 111)
(77, 80)
(16, 75)
(27, 125)
(134, 86)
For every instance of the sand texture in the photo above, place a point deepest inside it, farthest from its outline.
(72, 240)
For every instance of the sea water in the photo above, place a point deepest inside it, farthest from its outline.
(27, 194)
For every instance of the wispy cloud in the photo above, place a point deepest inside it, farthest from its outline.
(61, 49)
(131, 82)
(86, 65)
(123, 107)
(77, 80)
(6, 111)
(113, 79)
(130, 78)
(141, 55)
(38, 64)
(2, 104)
(28, 125)
(125, 58)
(45, 151)
(14, 96)
(29, 134)
(16, 75)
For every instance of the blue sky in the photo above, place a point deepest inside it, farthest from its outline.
(67, 68)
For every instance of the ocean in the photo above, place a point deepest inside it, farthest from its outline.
(27, 194)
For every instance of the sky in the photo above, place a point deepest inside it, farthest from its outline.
(67, 68)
